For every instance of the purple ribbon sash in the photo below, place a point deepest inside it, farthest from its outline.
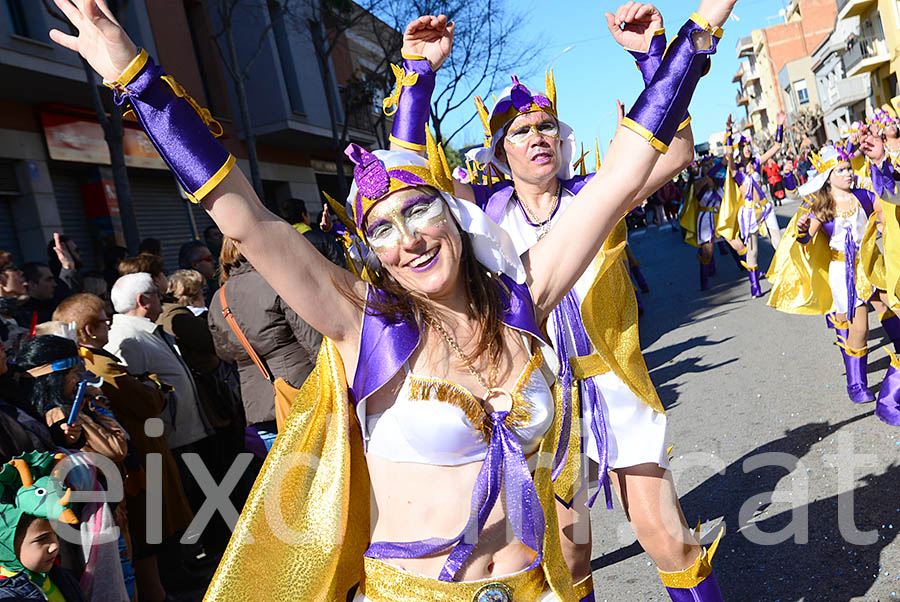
(566, 316)
(504, 467)
(850, 273)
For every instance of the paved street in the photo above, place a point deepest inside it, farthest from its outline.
(739, 379)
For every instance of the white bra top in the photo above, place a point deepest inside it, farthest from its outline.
(434, 421)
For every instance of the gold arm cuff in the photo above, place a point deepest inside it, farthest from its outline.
(587, 366)
(684, 123)
(702, 22)
(412, 57)
(408, 145)
(637, 128)
(585, 587)
(659, 32)
(133, 68)
(213, 181)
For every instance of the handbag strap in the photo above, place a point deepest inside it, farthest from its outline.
(229, 317)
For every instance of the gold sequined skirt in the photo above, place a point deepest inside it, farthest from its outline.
(386, 583)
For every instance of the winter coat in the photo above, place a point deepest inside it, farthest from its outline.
(19, 588)
(133, 399)
(286, 343)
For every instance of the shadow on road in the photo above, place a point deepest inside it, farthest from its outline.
(826, 567)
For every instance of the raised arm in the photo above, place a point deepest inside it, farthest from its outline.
(779, 138)
(556, 262)
(638, 28)
(302, 277)
(729, 144)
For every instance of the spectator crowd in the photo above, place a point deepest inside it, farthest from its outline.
(144, 384)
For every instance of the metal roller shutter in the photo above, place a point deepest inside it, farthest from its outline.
(201, 218)
(67, 190)
(161, 213)
(9, 189)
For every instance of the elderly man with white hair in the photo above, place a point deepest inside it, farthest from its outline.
(142, 346)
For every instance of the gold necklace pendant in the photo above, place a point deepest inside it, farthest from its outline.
(542, 227)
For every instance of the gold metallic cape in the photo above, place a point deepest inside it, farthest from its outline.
(305, 527)
(891, 240)
(799, 273)
(689, 215)
(727, 221)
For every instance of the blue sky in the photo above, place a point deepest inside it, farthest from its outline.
(597, 71)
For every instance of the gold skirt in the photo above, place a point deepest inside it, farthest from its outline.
(386, 583)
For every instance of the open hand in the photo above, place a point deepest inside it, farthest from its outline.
(62, 253)
(431, 37)
(326, 221)
(101, 41)
(729, 123)
(780, 118)
(634, 24)
(872, 146)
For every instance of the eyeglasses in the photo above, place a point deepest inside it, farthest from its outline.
(520, 135)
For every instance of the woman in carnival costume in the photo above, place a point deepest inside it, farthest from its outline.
(889, 130)
(756, 215)
(698, 221)
(611, 408)
(449, 380)
(830, 262)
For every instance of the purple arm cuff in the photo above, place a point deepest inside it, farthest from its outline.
(177, 130)
(648, 62)
(414, 106)
(779, 134)
(661, 107)
(729, 139)
(883, 178)
(790, 182)
(803, 238)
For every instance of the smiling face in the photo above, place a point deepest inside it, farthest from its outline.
(531, 147)
(841, 177)
(416, 240)
(891, 131)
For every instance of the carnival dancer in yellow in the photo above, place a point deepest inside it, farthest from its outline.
(430, 393)
(840, 213)
(595, 327)
(756, 215)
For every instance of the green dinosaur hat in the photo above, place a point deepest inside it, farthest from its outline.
(28, 487)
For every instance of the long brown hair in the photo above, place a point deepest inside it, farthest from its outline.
(483, 299)
(823, 206)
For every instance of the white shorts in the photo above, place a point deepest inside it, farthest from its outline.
(837, 281)
(635, 432)
(706, 227)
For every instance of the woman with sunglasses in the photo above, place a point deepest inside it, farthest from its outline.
(439, 357)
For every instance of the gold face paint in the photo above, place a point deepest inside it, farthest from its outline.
(394, 220)
(520, 135)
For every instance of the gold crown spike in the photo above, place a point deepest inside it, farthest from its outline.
(596, 155)
(551, 89)
(485, 120)
(437, 163)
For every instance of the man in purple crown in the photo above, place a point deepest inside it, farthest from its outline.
(614, 414)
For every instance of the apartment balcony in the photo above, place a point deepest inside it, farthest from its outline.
(847, 9)
(737, 76)
(847, 91)
(742, 100)
(751, 75)
(745, 46)
(866, 54)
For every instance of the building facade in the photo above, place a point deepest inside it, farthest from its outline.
(54, 174)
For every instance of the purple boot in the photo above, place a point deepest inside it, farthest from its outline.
(891, 324)
(639, 277)
(753, 274)
(830, 319)
(704, 274)
(855, 362)
(888, 407)
(697, 583)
